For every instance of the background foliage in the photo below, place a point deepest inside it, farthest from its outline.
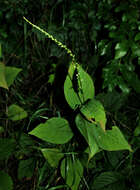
(105, 37)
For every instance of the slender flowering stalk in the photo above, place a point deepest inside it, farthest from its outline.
(53, 39)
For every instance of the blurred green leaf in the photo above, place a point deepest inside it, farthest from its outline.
(3, 82)
(110, 181)
(6, 182)
(16, 113)
(26, 168)
(7, 148)
(137, 37)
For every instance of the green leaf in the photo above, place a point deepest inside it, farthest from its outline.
(93, 109)
(53, 156)
(6, 182)
(78, 86)
(109, 181)
(137, 37)
(112, 101)
(16, 113)
(120, 53)
(72, 172)
(55, 130)
(137, 129)
(7, 147)
(26, 168)
(3, 82)
(121, 50)
(1, 129)
(131, 77)
(111, 140)
(86, 130)
(10, 74)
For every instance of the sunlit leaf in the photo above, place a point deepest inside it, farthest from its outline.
(111, 140)
(54, 130)
(86, 129)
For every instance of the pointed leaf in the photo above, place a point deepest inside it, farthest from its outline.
(55, 130)
(72, 172)
(16, 113)
(111, 140)
(86, 130)
(78, 86)
(10, 74)
(53, 156)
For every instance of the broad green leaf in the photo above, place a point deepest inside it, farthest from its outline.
(86, 130)
(3, 82)
(6, 182)
(7, 147)
(55, 130)
(93, 109)
(16, 113)
(72, 172)
(109, 181)
(78, 86)
(111, 140)
(53, 156)
(10, 74)
(26, 168)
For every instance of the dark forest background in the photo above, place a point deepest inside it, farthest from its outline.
(104, 35)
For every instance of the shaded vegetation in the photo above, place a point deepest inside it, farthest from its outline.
(104, 36)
